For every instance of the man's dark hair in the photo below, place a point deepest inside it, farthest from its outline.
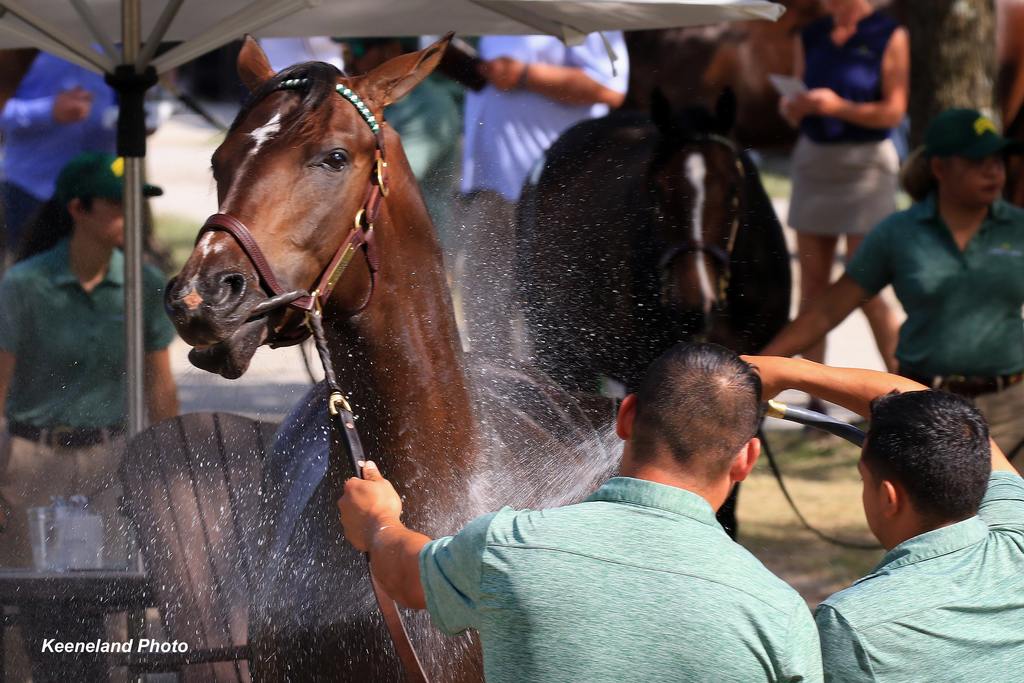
(936, 445)
(700, 402)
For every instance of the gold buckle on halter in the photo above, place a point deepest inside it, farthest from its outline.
(336, 402)
(381, 165)
(360, 220)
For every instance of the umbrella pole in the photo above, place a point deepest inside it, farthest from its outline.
(131, 86)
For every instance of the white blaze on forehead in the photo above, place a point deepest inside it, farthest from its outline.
(265, 132)
(696, 172)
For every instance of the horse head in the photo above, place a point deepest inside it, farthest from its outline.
(305, 155)
(696, 181)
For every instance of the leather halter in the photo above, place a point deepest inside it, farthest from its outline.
(690, 245)
(360, 236)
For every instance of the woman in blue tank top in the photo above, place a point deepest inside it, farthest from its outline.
(855, 63)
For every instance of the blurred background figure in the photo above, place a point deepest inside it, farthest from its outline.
(428, 119)
(537, 88)
(62, 386)
(58, 110)
(283, 52)
(956, 262)
(855, 62)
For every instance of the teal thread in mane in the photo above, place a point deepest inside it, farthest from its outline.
(344, 91)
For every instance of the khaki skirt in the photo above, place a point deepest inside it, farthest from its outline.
(844, 188)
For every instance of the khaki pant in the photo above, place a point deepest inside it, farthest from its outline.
(30, 475)
(1004, 411)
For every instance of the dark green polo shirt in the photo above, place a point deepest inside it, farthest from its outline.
(963, 308)
(947, 605)
(68, 343)
(637, 583)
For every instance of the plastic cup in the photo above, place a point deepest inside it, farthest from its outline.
(43, 538)
(79, 538)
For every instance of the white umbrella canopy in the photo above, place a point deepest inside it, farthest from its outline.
(123, 35)
(74, 25)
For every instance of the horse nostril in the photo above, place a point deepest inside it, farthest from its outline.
(232, 286)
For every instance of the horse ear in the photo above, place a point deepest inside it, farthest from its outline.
(393, 79)
(725, 111)
(253, 66)
(661, 111)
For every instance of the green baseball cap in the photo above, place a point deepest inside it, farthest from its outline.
(965, 133)
(95, 174)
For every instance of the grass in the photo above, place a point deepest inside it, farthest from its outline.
(821, 474)
(777, 185)
(177, 234)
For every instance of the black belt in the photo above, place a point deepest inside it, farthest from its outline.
(967, 385)
(62, 436)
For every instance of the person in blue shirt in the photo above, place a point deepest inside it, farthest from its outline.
(855, 62)
(58, 111)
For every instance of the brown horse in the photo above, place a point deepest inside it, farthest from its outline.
(639, 231)
(299, 167)
(666, 234)
(1010, 87)
(692, 65)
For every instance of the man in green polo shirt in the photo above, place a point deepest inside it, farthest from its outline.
(638, 582)
(946, 603)
(956, 263)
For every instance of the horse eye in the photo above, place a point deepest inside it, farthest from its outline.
(335, 160)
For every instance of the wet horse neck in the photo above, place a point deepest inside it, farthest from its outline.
(406, 372)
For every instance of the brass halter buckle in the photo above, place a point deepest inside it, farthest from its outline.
(379, 172)
(337, 402)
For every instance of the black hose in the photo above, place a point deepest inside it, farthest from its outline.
(832, 426)
(815, 419)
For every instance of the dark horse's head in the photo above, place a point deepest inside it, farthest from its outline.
(303, 157)
(696, 183)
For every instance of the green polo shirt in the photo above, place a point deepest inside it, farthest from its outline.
(68, 343)
(963, 307)
(637, 583)
(947, 605)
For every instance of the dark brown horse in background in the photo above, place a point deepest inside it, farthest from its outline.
(295, 168)
(691, 66)
(1010, 89)
(641, 231)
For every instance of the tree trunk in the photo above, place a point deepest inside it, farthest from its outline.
(952, 58)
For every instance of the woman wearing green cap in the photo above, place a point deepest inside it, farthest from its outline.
(956, 262)
(62, 359)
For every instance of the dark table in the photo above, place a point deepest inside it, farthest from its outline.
(89, 590)
(83, 591)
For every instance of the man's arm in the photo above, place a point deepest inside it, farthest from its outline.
(371, 516)
(852, 388)
(567, 84)
(39, 113)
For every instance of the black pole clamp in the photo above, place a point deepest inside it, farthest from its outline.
(131, 88)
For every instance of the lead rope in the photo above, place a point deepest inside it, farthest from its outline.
(346, 452)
